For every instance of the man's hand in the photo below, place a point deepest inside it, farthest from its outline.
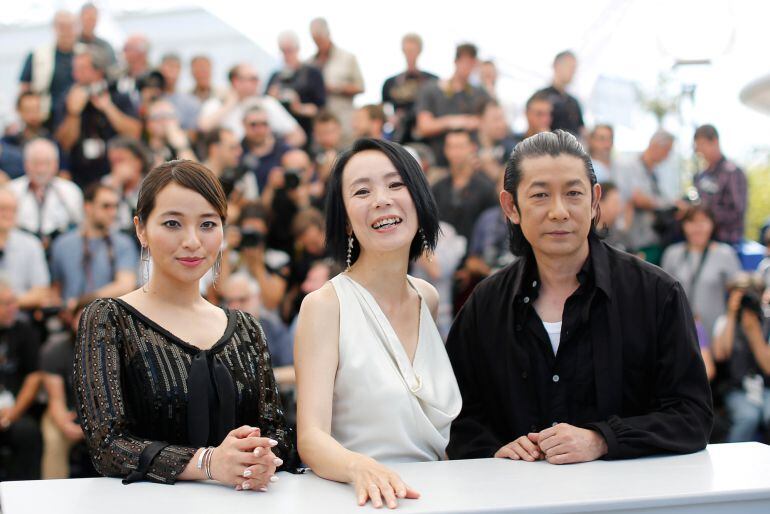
(567, 444)
(102, 101)
(77, 99)
(523, 448)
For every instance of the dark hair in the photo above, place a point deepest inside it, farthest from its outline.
(325, 116)
(538, 96)
(91, 192)
(136, 148)
(23, 95)
(252, 210)
(552, 144)
(306, 218)
(707, 132)
(415, 182)
(212, 137)
(608, 187)
(375, 112)
(698, 208)
(468, 49)
(472, 137)
(563, 54)
(491, 102)
(188, 174)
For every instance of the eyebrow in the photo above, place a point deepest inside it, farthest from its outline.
(366, 180)
(571, 183)
(181, 214)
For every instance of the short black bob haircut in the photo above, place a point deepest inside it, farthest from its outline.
(415, 182)
(554, 144)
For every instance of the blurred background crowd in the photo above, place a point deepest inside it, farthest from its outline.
(92, 119)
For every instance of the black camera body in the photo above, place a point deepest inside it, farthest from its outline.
(251, 239)
(292, 178)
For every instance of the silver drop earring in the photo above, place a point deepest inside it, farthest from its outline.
(216, 270)
(425, 247)
(144, 255)
(350, 251)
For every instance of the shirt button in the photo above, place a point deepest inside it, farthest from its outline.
(526, 299)
(555, 378)
(524, 375)
(534, 284)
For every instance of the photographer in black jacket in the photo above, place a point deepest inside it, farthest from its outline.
(741, 342)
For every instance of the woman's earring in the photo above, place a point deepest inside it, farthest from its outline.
(350, 251)
(144, 255)
(425, 247)
(217, 268)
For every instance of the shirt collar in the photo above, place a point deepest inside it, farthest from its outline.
(527, 281)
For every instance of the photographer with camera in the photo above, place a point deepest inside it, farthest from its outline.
(223, 151)
(262, 149)
(92, 112)
(246, 251)
(298, 86)
(741, 342)
(287, 192)
(653, 211)
(164, 135)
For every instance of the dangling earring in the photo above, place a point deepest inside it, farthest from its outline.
(144, 255)
(350, 250)
(217, 268)
(425, 246)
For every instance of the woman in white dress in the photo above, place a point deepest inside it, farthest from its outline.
(374, 383)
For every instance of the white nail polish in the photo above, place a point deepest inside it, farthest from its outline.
(277, 461)
(263, 489)
(247, 473)
(246, 485)
(272, 442)
(274, 478)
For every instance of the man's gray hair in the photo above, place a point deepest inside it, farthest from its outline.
(662, 138)
(40, 143)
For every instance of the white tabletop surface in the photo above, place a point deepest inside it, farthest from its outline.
(728, 478)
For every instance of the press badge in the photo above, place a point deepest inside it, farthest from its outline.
(754, 385)
(93, 148)
(6, 399)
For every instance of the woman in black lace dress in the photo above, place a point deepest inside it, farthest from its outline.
(170, 387)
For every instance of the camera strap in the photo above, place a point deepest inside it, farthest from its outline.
(697, 273)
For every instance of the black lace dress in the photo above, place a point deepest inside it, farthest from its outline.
(148, 400)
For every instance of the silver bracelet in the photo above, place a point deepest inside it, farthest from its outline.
(209, 453)
(200, 458)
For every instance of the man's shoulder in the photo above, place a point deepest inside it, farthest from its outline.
(67, 186)
(24, 240)
(729, 166)
(66, 241)
(629, 270)
(503, 280)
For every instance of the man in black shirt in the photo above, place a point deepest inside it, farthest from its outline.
(463, 195)
(576, 351)
(89, 115)
(567, 114)
(401, 90)
(19, 383)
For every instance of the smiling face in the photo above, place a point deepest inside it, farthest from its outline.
(379, 207)
(555, 204)
(184, 234)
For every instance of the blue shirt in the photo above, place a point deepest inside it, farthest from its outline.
(80, 274)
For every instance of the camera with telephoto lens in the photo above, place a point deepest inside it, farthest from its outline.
(230, 177)
(251, 239)
(752, 285)
(292, 177)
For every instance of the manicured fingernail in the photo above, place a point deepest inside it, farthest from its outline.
(247, 473)
(274, 478)
(263, 489)
(277, 461)
(258, 451)
(246, 485)
(238, 487)
(272, 442)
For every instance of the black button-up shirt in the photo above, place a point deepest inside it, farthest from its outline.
(628, 363)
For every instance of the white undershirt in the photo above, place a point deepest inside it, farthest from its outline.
(554, 334)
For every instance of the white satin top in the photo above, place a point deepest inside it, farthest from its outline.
(385, 406)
